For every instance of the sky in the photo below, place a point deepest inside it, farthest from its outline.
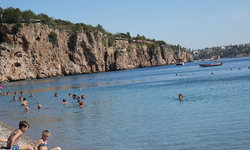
(194, 24)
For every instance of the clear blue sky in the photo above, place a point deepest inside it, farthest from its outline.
(194, 24)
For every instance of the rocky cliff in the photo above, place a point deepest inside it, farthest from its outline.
(29, 54)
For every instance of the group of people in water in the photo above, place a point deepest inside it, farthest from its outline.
(12, 141)
(74, 97)
(25, 102)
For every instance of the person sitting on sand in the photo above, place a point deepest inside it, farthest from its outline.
(81, 104)
(14, 98)
(56, 95)
(83, 96)
(31, 95)
(24, 103)
(181, 97)
(39, 106)
(64, 101)
(20, 98)
(12, 142)
(69, 94)
(27, 109)
(42, 143)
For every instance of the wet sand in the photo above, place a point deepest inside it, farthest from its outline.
(6, 130)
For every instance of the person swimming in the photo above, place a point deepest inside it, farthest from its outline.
(81, 105)
(24, 103)
(14, 98)
(181, 97)
(39, 106)
(56, 95)
(31, 95)
(64, 101)
(27, 109)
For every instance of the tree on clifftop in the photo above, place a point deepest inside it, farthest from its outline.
(27, 15)
(12, 15)
(1, 14)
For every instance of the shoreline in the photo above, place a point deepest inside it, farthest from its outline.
(6, 130)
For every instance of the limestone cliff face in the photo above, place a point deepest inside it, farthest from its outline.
(30, 55)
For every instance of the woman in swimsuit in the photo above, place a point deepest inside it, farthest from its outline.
(24, 103)
(42, 143)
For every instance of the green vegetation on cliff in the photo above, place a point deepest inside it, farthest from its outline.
(15, 15)
(53, 38)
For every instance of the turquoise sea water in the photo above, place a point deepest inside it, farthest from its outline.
(139, 109)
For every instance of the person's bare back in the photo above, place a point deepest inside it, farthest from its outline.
(14, 138)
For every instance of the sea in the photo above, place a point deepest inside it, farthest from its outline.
(139, 109)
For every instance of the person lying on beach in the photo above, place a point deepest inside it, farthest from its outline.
(24, 103)
(42, 143)
(12, 142)
(181, 97)
(31, 95)
(14, 98)
(81, 104)
(64, 101)
(39, 106)
(56, 95)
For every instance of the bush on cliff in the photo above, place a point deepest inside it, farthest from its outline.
(16, 27)
(53, 38)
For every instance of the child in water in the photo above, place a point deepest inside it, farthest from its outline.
(42, 143)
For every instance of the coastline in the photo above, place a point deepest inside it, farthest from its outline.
(6, 130)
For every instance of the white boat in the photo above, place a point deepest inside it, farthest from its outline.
(180, 60)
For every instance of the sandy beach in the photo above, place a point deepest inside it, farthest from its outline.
(6, 130)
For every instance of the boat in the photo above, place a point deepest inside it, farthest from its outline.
(211, 64)
(180, 60)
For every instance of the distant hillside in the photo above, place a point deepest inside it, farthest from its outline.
(223, 52)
